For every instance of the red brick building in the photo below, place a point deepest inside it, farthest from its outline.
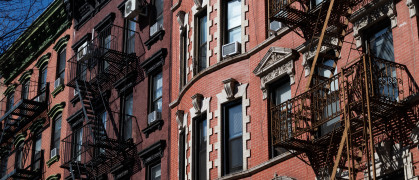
(239, 72)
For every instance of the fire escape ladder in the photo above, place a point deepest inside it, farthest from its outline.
(110, 113)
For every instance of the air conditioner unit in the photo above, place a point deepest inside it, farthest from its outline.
(231, 49)
(53, 152)
(133, 8)
(83, 52)
(275, 25)
(156, 27)
(153, 116)
(58, 82)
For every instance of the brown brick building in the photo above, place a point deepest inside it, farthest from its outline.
(241, 108)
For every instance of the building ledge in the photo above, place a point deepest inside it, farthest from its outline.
(153, 39)
(158, 124)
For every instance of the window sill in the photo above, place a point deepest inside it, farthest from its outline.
(158, 124)
(153, 39)
(53, 160)
(57, 90)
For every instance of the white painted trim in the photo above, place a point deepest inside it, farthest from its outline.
(221, 99)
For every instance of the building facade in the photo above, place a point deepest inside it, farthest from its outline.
(34, 97)
(256, 97)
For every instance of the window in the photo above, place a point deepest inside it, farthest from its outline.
(103, 119)
(18, 158)
(130, 41)
(233, 20)
(183, 59)
(200, 148)
(105, 39)
(37, 151)
(159, 11)
(10, 101)
(202, 42)
(157, 92)
(56, 135)
(232, 138)
(25, 89)
(314, 3)
(78, 143)
(379, 43)
(61, 65)
(280, 92)
(43, 79)
(82, 62)
(155, 172)
(127, 119)
(182, 155)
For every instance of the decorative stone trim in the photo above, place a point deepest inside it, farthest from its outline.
(19, 139)
(222, 98)
(155, 61)
(43, 61)
(37, 125)
(229, 87)
(179, 119)
(53, 160)
(308, 54)
(370, 14)
(10, 89)
(57, 90)
(54, 177)
(61, 43)
(154, 38)
(197, 102)
(25, 76)
(56, 110)
(157, 124)
(276, 63)
(412, 8)
(205, 107)
(244, 25)
(153, 153)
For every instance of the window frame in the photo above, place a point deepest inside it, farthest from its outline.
(182, 155)
(226, 139)
(130, 37)
(201, 64)
(42, 85)
(226, 30)
(197, 121)
(183, 59)
(124, 116)
(10, 100)
(53, 138)
(59, 72)
(77, 130)
(152, 100)
(37, 139)
(150, 167)
(25, 89)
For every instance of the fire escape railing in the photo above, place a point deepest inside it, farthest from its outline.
(390, 85)
(23, 111)
(107, 59)
(27, 167)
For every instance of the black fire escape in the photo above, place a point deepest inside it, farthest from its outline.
(18, 115)
(94, 150)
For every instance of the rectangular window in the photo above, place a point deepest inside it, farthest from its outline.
(105, 39)
(280, 92)
(130, 41)
(10, 101)
(61, 65)
(232, 138)
(182, 155)
(37, 152)
(82, 62)
(127, 120)
(43, 79)
(78, 143)
(25, 89)
(155, 172)
(200, 148)
(233, 20)
(202, 42)
(159, 11)
(56, 135)
(18, 158)
(157, 92)
(184, 59)
(103, 119)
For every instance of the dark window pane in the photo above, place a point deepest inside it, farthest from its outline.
(233, 153)
(381, 43)
(201, 148)
(155, 172)
(233, 21)
(128, 119)
(182, 156)
(157, 92)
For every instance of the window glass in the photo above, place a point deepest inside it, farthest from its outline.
(57, 135)
(184, 62)
(131, 37)
(43, 78)
(61, 64)
(182, 155)
(10, 101)
(157, 92)
(127, 125)
(234, 139)
(202, 51)
(18, 160)
(233, 21)
(381, 43)
(25, 89)
(155, 172)
(78, 139)
(201, 148)
(159, 11)
(3, 166)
